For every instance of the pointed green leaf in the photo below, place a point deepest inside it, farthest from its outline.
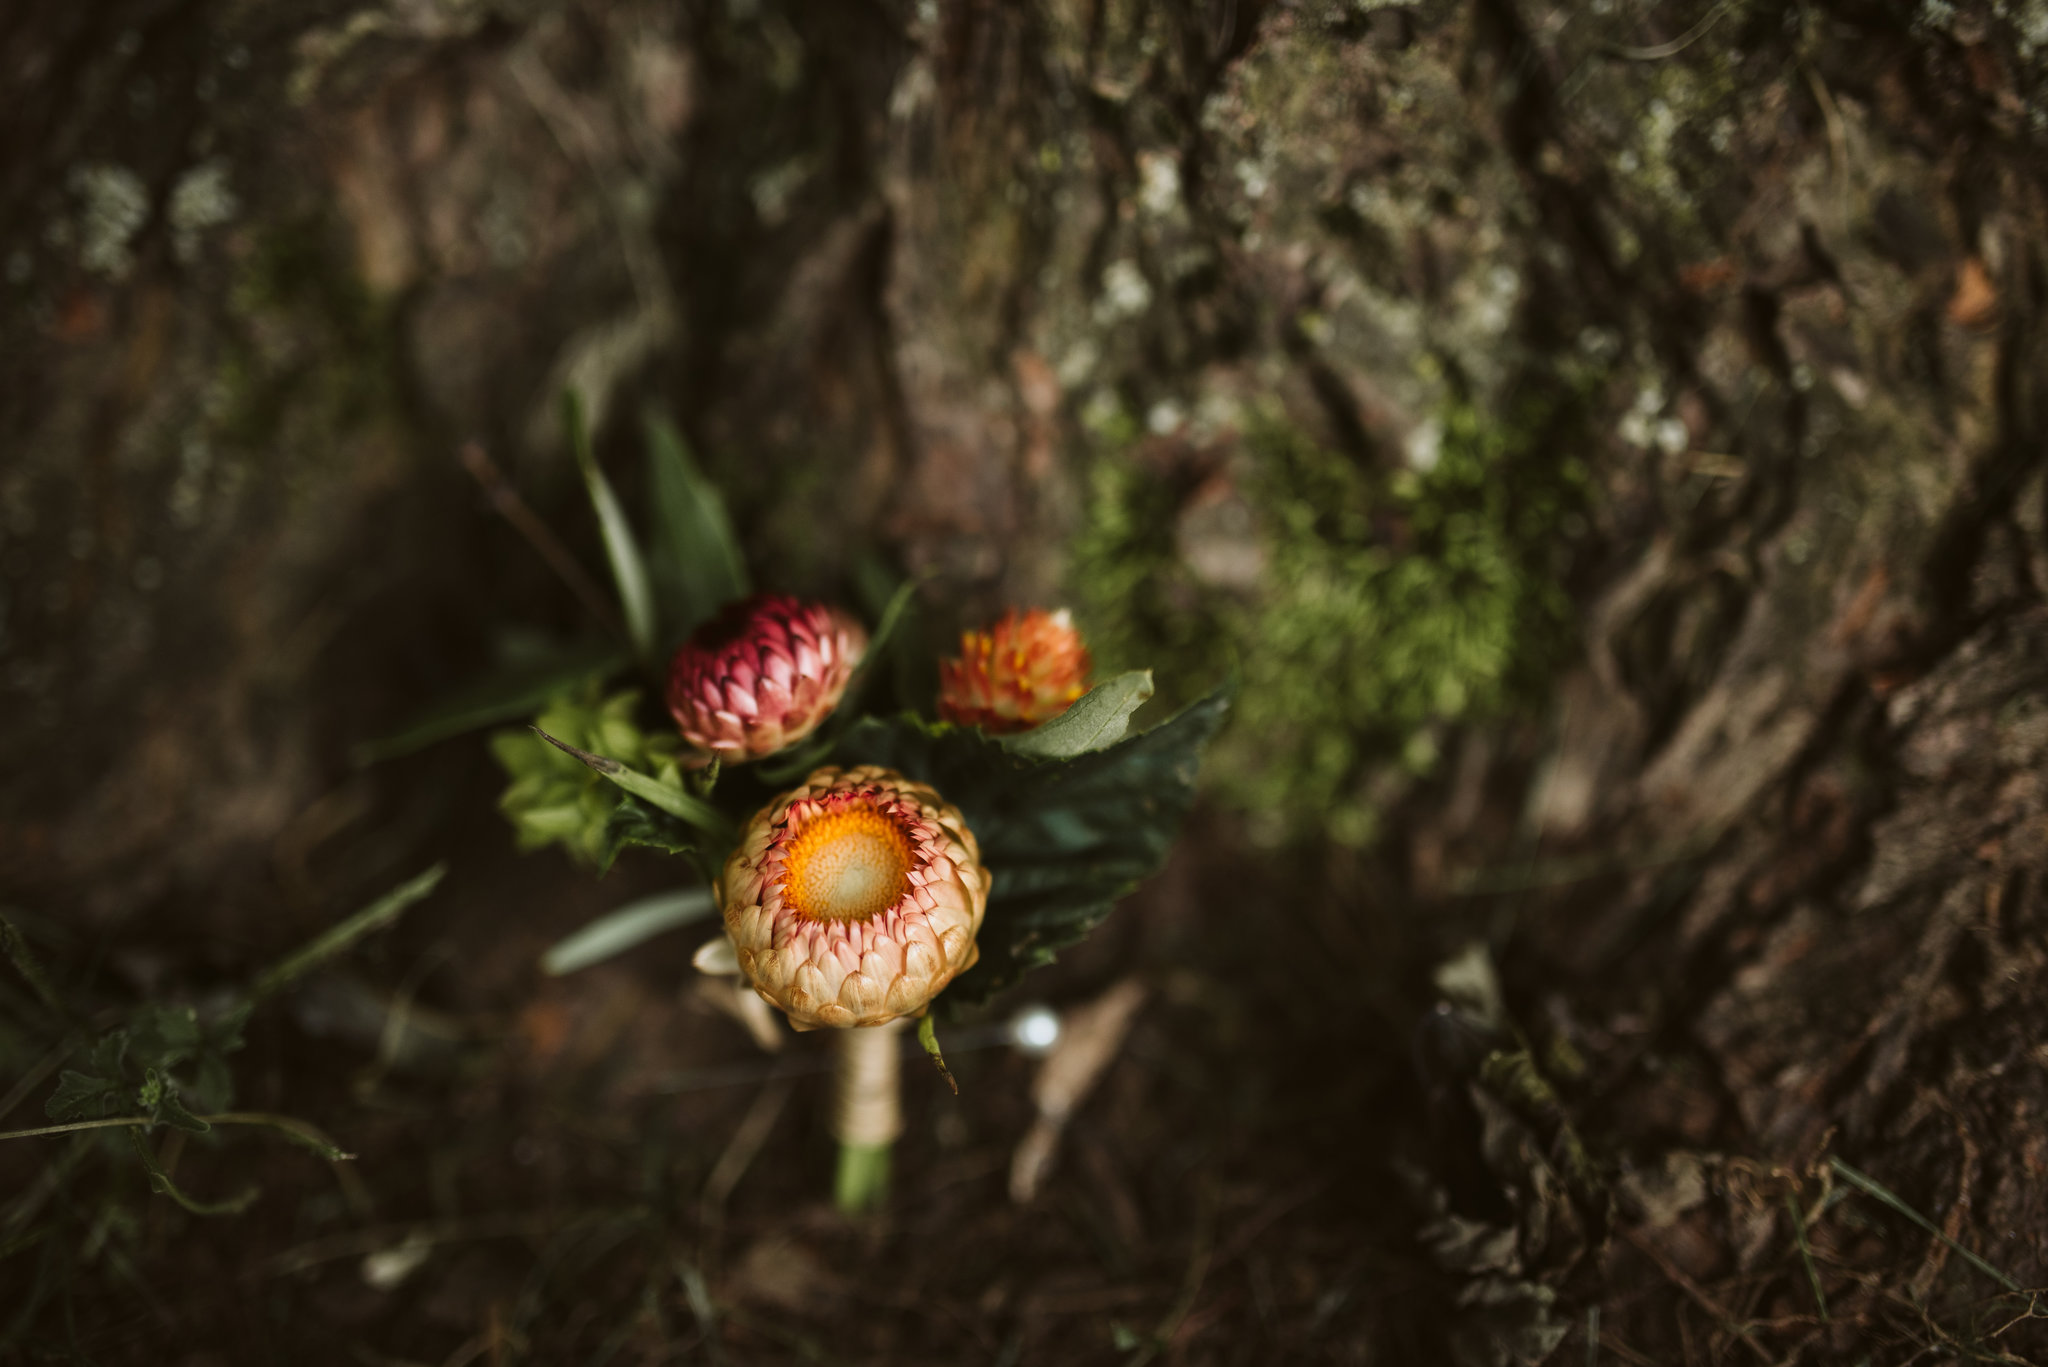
(878, 644)
(629, 569)
(928, 1036)
(15, 946)
(373, 917)
(695, 564)
(618, 931)
(172, 1111)
(1100, 718)
(670, 799)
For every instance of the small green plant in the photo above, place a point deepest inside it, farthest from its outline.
(133, 1092)
(166, 1067)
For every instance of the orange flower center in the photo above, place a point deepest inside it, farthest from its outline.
(847, 865)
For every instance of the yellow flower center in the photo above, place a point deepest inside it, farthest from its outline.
(847, 865)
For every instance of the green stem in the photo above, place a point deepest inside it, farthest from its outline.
(295, 1129)
(113, 1123)
(160, 1182)
(862, 1182)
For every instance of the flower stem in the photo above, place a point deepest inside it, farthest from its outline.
(862, 1182)
(867, 1114)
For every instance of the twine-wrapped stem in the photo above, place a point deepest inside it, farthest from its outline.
(867, 1113)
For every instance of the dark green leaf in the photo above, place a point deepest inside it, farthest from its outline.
(695, 566)
(629, 569)
(885, 632)
(164, 1036)
(109, 1054)
(499, 697)
(213, 1085)
(634, 822)
(1064, 839)
(171, 1110)
(373, 917)
(85, 1096)
(15, 946)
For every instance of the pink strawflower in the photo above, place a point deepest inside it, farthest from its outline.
(855, 898)
(761, 675)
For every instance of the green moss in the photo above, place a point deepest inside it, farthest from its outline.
(1392, 604)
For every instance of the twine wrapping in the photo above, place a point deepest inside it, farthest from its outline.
(867, 1109)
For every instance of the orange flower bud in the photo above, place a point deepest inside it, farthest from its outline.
(1026, 669)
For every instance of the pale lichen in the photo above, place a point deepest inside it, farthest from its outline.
(113, 207)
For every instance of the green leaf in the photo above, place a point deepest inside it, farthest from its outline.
(669, 798)
(696, 565)
(928, 1036)
(499, 697)
(213, 1083)
(373, 917)
(164, 1036)
(15, 946)
(618, 931)
(110, 1054)
(636, 823)
(170, 1110)
(1063, 838)
(1100, 718)
(878, 644)
(629, 570)
(85, 1096)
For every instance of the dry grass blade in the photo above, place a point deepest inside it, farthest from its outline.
(506, 502)
(1798, 1215)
